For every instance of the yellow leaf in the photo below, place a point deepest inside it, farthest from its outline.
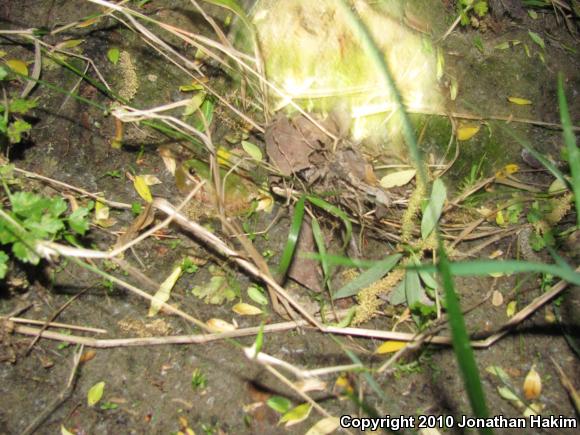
(532, 385)
(512, 168)
(64, 431)
(511, 308)
(324, 427)
(224, 157)
(519, 101)
(219, 325)
(466, 132)
(397, 179)
(142, 188)
(162, 295)
(296, 415)
(244, 309)
(390, 346)
(71, 43)
(101, 211)
(95, 393)
(151, 180)
(499, 219)
(88, 22)
(18, 66)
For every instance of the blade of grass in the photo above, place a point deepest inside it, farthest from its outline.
(570, 141)
(461, 345)
(319, 239)
(335, 211)
(486, 267)
(292, 241)
(367, 278)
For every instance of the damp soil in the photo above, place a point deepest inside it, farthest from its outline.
(149, 388)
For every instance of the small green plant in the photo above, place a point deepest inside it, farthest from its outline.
(471, 11)
(198, 380)
(32, 218)
(12, 127)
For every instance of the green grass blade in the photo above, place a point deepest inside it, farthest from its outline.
(378, 58)
(340, 260)
(319, 239)
(335, 211)
(570, 141)
(461, 344)
(539, 157)
(365, 279)
(486, 267)
(292, 241)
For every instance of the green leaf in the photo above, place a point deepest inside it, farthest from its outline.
(367, 278)
(216, 292)
(57, 206)
(252, 150)
(480, 8)
(113, 55)
(3, 264)
(3, 73)
(537, 39)
(571, 147)
(397, 296)
(95, 393)
(257, 295)
(279, 404)
(21, 105)
(24, 253)
(292, 241)
(16, 129)
(434, 208)
(206, 109)
(28, 204)
(78, 221)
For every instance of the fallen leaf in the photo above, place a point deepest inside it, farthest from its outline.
(512, 168)
(162, 295)
(257, 295)
(71, 43)
(87, 356)
(65, 431)
(95, 393)
(310, 384)
(466, 132)
(519, 101)
(390, 346)
(296, 415)
(325, 426)
(113, 55)
(18, 66)
(244, 309)
(532, 385)
(151, 180)
(511, 308)
(253, 150)
(219, 325)
(397, 179)
(142, 188)
(279, 404)
(496, 299)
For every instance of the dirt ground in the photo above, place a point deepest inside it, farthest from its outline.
(151, 388)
